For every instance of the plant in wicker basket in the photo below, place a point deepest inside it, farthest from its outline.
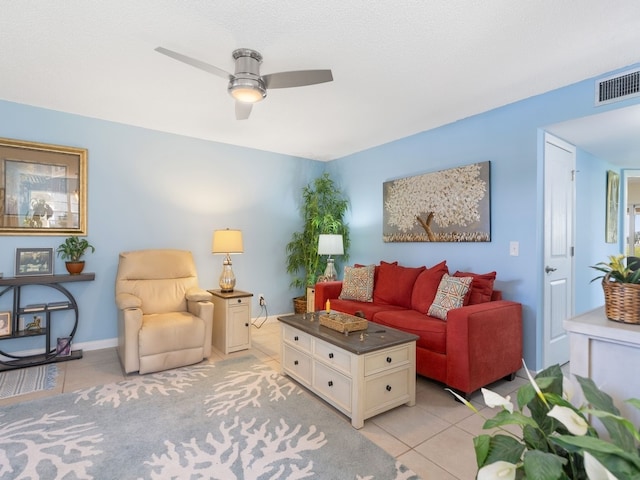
(621, 286)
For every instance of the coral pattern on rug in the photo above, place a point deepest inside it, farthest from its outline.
(237, 419)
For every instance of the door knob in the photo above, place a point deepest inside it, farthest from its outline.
(549, 269)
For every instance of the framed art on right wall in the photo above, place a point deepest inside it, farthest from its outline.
(613, 196)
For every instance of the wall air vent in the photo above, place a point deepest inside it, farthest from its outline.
(619, 87)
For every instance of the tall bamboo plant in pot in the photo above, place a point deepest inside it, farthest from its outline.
(323, 211)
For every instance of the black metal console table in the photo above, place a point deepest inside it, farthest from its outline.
(51, 354)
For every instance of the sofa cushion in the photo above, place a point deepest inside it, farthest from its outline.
(481, 286)
(395, 284)
(368, 308)
(426, 286)
(377, 268)
(432, 331)
(451, 293)
(358, 284)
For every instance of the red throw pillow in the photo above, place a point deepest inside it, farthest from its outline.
(426, 286)
(394, 284)
(481, 286)
(375, 272)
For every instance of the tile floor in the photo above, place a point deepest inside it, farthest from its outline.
(434, 438)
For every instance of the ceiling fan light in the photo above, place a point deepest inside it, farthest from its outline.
(247, 90)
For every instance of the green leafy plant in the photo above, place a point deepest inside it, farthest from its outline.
(557, 441)
(617, 270)
(73, 249)
(323, 210)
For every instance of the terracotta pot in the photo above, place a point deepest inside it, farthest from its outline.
(75, 268)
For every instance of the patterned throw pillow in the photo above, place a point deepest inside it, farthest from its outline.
(450, 294)
(358, 283)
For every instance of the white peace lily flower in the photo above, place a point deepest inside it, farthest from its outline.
(463, 400)
(492, 400)
(497, 471)
(535, 385)
(570, 419)
(568, 389)
(595, 470)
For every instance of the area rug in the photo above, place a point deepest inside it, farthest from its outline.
(27, 380)
(236, 419)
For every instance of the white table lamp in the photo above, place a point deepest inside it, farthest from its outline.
(329, 244)
(227, 242)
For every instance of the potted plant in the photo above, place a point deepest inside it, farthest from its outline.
(323, 210)
(558, 440)
(72, 251)
(621, 285)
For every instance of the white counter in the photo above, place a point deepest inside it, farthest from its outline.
(608, 352)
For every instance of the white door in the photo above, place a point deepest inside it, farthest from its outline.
(559, 195)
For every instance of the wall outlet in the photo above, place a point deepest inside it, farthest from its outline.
(261, 300)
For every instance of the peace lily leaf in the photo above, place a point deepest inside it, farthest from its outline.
(620, 435)
(623, 422)
(503, 447)
(596, 445)
(503, 418)
(481, 445)
(535, 439)
(543, 466)
(634, 401)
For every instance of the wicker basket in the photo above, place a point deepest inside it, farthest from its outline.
(300, 305)
(621, 301)
(342, 322)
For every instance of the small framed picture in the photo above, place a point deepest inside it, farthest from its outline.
(34, 261)
(5, 323)
(63, 348)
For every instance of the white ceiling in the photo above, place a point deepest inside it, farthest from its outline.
(400, 66)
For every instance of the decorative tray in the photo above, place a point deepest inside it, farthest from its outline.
(342, 322)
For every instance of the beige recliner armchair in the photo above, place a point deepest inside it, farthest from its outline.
(164, 318)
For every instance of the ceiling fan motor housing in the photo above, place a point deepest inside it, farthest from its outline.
(246, 84)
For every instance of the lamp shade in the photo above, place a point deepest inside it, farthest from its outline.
(227, 241)
(330, 244)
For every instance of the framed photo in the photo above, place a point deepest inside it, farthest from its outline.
(5, 323)
(63, 347)
(613, 198)
(34, 261)
(43, 189)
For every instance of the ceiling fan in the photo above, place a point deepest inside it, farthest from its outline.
(246, 85)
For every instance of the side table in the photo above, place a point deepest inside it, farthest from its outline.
(231, 320)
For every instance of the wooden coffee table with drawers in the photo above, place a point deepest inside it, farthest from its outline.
(361, 374)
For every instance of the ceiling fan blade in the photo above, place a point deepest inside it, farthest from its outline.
(195, 63)
(243, 110)
(298, 78)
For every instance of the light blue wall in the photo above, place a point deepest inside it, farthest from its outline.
(154, 190)
(149, 189)
(511, 138)
(591, 248)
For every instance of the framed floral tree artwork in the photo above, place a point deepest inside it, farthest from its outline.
(450, 205)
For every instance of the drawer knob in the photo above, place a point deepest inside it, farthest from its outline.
(330, 383)
(295, 362)
(246, 324)
(389, 360)
(295, 338)
(331, 355)
(388, 388)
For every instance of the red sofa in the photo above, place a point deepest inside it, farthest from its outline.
(475, 345)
